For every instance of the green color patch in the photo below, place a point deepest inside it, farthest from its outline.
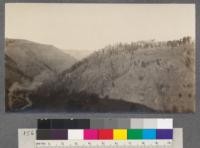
(134, 134)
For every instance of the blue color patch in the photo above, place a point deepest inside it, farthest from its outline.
(149, 134)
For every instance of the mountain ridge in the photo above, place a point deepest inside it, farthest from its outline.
(29, 63)
(158, 76)
(146, 76)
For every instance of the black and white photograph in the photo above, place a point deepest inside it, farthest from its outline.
(100, 58)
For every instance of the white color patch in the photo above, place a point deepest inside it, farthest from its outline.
(164, 123)
(75, 134)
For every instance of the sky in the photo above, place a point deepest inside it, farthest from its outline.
(93, 26)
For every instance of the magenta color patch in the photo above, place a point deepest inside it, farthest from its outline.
(90, 134)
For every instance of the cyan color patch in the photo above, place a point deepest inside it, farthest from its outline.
(149, 134)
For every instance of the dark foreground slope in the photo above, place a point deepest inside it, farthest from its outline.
(83, 102)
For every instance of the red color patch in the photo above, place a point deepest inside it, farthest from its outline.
(106, 134)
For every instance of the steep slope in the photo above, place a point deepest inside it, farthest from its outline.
(28, 65)
(13, 75)
(160, 77)
(32, 58)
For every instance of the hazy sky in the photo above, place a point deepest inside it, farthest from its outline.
(93, 26)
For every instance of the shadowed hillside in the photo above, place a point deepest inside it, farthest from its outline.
(82, 102)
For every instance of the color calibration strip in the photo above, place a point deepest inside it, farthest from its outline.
(27, 138)
(133, 123)
(104, 134)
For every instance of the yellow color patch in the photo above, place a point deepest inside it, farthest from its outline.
(119, 134)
